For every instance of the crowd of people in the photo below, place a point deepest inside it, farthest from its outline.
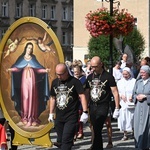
(129, 87)
(80, 94)
(133, 86)
(94, 90)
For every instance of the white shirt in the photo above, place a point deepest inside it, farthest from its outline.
(117, 73)
(123, 64)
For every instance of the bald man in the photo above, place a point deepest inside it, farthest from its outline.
(66, 91)
(100, 86)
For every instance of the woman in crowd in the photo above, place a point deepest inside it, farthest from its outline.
(144, 61)
(117, 71)
(141, 97)
(125, 87)
(78, 73)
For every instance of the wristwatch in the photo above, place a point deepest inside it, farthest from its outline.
(85, 111)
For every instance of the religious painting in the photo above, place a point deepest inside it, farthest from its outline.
(30, 51)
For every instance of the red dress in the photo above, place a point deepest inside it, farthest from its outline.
(3, 141)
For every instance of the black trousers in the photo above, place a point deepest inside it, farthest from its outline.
(13, 147)
(2, 121)
(65, 132)
(98, 115)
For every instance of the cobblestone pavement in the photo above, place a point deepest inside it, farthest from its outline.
(85, 143)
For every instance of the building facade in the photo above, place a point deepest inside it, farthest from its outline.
(58, 14)
(140, 9)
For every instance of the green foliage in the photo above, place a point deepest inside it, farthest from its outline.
(99, 46)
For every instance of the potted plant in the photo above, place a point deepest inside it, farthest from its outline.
(100, 22)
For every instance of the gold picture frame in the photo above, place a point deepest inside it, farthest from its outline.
(48, 52)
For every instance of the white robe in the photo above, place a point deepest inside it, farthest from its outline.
(125, 120)
(117, 73)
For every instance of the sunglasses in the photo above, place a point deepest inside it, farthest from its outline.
(94, 66)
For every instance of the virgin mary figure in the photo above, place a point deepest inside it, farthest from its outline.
(29, 86)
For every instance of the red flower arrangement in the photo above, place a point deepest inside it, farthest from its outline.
(100, 22)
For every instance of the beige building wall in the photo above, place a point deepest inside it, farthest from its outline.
(138, 8)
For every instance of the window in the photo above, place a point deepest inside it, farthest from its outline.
(32, 10)
(5, 9)
(71, 13)
(18, 10)
(64, 38)
(53, 12)
(44, 12)
(65, 13)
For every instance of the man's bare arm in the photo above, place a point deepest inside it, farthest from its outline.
(52, 104)
(83, 102)
(116, 95)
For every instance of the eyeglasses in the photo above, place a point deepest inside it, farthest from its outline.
(94, 66)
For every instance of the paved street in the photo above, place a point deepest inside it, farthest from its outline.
(86, 142)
